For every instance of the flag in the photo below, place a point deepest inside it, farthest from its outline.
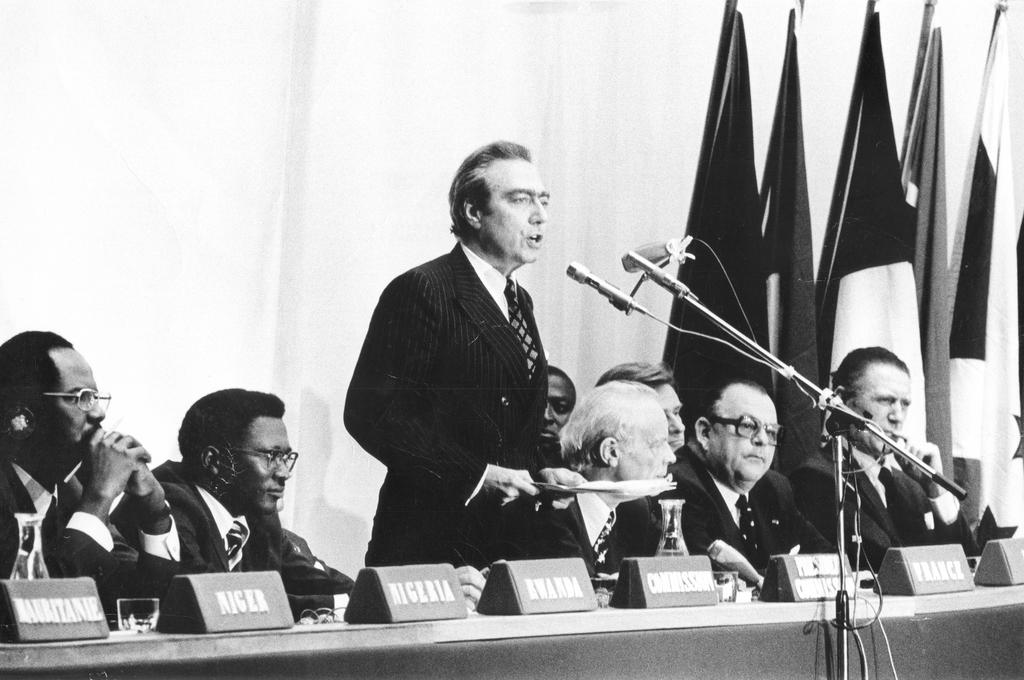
(790, 263)
(866, 292)
(984, 341)
(723, 215)
(924, 184)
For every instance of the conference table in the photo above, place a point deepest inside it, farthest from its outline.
(975, 634)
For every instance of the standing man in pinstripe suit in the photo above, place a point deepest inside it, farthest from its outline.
(449, 390)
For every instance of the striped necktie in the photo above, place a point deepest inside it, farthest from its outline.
(515, 317)
(238, 534)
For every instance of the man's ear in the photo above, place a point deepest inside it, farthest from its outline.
(609, 452)
(210, 459)
(472, 214)
(702, 430)
(18, 422)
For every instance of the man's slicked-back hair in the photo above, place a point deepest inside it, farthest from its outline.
(220, 419)
(469, 185)
(713, 394)
(605, 411)
(652, 374)
(26, 367)
(854, 364)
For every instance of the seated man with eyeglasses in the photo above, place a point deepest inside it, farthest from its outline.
(737, 510)
(225, 496)
(57, 460)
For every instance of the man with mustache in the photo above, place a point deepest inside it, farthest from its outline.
(57, 460)
(897, 506)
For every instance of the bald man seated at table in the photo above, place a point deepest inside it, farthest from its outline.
(616, 433)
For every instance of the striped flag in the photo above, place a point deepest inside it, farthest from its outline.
(724, 214)
(984, 342)
(790, 263)
(866, 291)
(924, 182)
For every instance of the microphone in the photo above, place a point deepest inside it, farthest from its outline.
(619, 300)
(659, 253)
(654, 272)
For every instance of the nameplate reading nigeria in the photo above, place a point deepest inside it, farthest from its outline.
(1002, 563)
(537, 587)
(222, 603)
(925, 570)
(802, 578)
(52, 609)
(418, 592)
(649, 582)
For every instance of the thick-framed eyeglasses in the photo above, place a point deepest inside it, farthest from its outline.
(272, 457)
(748, 427)
(85, 398)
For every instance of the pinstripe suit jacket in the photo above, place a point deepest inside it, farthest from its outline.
(440, 390)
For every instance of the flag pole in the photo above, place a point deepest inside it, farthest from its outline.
(922, 51)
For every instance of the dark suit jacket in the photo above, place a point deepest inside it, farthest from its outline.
(440, 390)
(563, 533)
(268, 548)
(123, 572)
(902, 523)
(780, 526)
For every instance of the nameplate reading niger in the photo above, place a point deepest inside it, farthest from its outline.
(418, 592)
(649, 582)
(52, 609)
(220, 603)
(537, 587)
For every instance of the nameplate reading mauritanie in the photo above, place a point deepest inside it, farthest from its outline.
(649, 582)
(924, 570)
(222, 603)
(418, 592)
(802, 578)
(537, 587)
(45, 610)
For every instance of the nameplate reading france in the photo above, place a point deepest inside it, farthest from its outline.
(537, 587)
(925, 570)
(1002, 563)
(222, 603)
(52, 609)
(802, 578)
(649, 582)
(418, 592)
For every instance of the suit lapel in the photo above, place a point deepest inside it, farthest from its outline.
(214, 541)
(872, 505)
(730, 531)
(485, 315)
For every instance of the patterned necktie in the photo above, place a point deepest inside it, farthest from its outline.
(747, 528)
(888, 483)
(515, 317)
(601, 544)
(236, 538)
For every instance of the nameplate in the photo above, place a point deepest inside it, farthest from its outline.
(651, 582)
(537, 587)
(924, 570)
(1002, 563)
(227, 602)
(45, 610)
(802, 578)
(419, 592)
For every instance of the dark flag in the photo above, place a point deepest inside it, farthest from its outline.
(790, 264)
(866, 292)
(924, 181)
(984, 342)
(724, 214)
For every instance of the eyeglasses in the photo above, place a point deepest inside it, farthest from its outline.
(748, 427)
(85, 398)
(273, 457)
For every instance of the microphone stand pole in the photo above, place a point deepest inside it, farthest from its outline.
(827, 401)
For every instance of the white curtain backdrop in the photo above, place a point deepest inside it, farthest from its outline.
(211, 194)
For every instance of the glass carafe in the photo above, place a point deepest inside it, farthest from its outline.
(29, 563)
(672, 543)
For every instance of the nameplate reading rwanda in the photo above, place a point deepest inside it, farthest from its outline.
(648, 582)
(802, 578)
(925, 570)
(222, 603)
(52, 609)
(418, 592)
(537, 587)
